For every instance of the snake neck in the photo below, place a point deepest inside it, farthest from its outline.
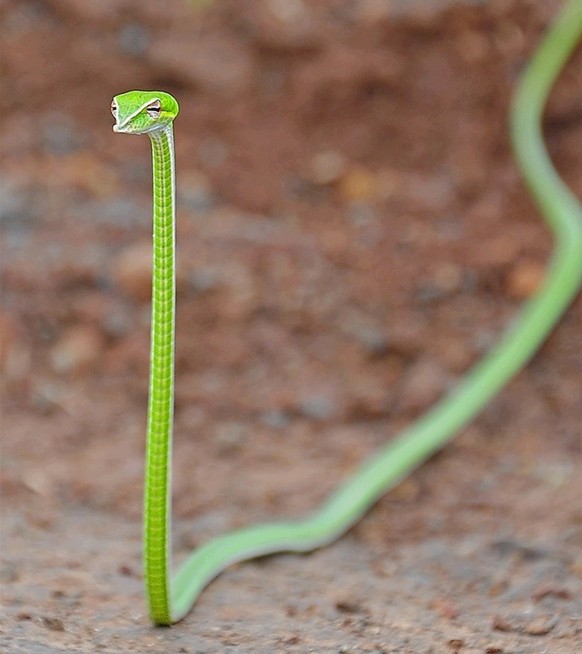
(161, 390)
(164, 176)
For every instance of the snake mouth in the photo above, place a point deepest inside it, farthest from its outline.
(123, 128)
(127, 128)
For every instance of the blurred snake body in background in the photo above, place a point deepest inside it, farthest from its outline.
(152, 113)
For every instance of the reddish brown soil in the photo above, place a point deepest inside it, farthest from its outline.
(353, 236)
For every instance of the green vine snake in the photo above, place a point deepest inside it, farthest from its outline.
(152, 113)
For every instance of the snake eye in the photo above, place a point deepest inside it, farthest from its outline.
(114, 109)
(154, 109)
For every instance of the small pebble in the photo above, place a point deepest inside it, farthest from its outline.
(78, 349)
(358, 184)
(24, 616)
(525, 279)
(241, 294)
(421, 385)
(551, 592)
(541, 626)
(326, 167)
(126, 570)
(446, 280)
(455, 354)
(230, 436)
(54, 624)
(406, 339)
(132, 271)
(348, 606)
(448, 277)
(499, 623)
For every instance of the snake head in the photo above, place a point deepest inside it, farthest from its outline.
(141, 112)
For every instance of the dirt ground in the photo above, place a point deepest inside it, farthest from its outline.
(353, 236)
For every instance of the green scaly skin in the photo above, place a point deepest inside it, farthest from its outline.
(152, 112)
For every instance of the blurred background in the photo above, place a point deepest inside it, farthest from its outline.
(352, 236)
